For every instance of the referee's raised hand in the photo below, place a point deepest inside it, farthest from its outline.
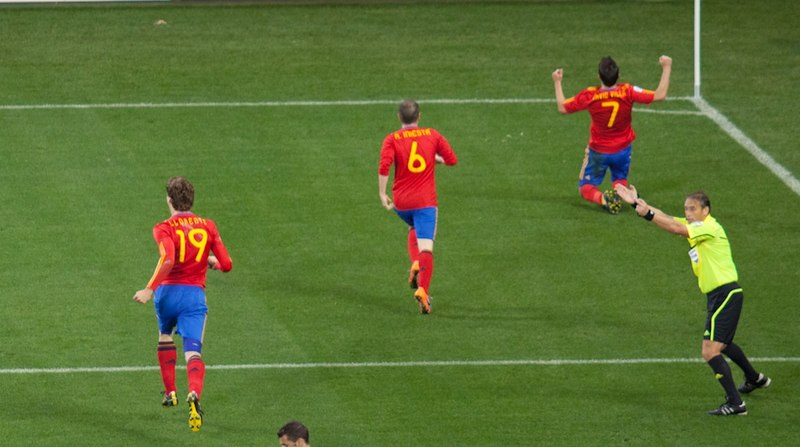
(627, 193)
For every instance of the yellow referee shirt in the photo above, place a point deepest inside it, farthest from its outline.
(710, 254)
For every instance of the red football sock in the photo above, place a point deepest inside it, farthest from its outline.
(622, 182)
(196, 370)
(166, 361)
(425, 270)
(413, 248)
(592, 194)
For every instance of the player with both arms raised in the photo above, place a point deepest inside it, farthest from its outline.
(610, 135)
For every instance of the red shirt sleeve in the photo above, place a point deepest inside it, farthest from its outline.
(166, 259)
(446, 151)
(387, 155)
(219, 250)
(642, 95)
(581, 101)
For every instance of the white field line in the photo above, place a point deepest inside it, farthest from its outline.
(734, 132)
(411, 364)
(365, 102)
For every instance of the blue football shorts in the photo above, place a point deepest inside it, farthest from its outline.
(596, 164)
(423, 220)
(181, 307)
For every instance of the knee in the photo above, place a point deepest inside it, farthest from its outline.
(588, 192)
(623, 182)
(425, 245)
(189, 355)
(192, 348)
(711, 350)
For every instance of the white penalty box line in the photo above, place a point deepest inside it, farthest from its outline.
(310, 103)
(409, 364)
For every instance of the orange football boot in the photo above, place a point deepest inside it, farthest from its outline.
(424, 300)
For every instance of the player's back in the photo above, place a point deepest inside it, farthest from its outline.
(611, 111)
(413, 151)
(193, 238)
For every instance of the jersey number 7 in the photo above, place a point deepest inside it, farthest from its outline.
(614, 105)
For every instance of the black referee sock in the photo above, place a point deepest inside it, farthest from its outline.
(735, 353)
(723, 374)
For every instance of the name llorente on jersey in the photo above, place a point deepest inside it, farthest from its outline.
(183, 221)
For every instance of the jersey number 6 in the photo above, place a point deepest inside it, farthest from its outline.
(416, 163)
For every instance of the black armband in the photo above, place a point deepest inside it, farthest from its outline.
(650, 215)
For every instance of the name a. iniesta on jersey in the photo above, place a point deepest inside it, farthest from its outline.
(411, 133)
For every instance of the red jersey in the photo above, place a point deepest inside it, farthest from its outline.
(184, 243)
(610, 109)
(413, 152)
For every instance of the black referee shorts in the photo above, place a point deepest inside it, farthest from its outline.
(724, 309)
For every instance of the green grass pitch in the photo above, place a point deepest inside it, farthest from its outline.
(276, 113)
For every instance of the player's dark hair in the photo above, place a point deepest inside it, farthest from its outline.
(608, 70)
(701, 197)
(181, 193)
(293, 431)
(408, 111)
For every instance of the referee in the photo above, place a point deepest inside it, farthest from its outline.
(713, 265)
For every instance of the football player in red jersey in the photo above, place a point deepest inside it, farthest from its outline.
(414, 152)
(610, 134)
(185, 243)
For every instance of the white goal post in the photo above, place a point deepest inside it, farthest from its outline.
(697, 49)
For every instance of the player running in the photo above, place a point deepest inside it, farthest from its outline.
(611, 134)
(414, 152)
(185, 243)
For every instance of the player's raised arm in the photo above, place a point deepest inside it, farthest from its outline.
(663, 84)
(558, 76)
